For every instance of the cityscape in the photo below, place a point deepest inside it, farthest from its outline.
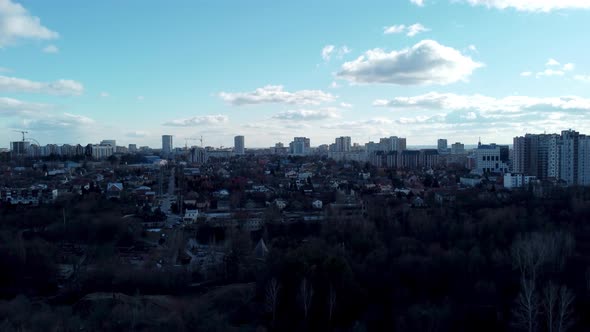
(293, 166)
(562, 158)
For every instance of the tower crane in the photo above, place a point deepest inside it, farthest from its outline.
(22, 132)
(189, 139)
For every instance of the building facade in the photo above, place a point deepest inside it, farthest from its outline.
(239, 145)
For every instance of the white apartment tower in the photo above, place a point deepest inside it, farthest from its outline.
(343, 144)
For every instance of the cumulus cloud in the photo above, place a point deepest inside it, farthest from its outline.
(17, 23)
(410, 30)
(308, 115)
(550, 72)
(198, 121)
(63, 121)
(330, 50)
(276, 94)
(532, 5)
(11, 106)
(51, 49)
(569, 67)
(427, 62)
(552, 68)
(59, 87)
(485, 104)
(418, 2)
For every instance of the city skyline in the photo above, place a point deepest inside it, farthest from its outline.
(404, 72)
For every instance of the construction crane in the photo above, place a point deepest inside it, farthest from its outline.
(22, 132)
(189, 139)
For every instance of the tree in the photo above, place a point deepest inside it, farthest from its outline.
(306, 292)
(331, 302)
(557, 306)
(272, 297)
(527, 306)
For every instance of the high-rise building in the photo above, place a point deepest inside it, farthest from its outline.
(132, 148)
(300, 146)
(110, 142)
(393, 143)
(442, 146)
(569, 156)
(457, 148)
(19, 148)
(167, 144)
(343, 144)
(531, 154)
(584, 160)
(239, 148)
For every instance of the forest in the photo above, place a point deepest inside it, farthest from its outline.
(483, 263)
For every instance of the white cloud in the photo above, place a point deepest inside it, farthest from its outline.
(11, 106)
(64, 121)
(51, 49)
(427, 62)
(330, 50)
(199, 120)
(327, 52)
(17, 23)
(532, 5)
(59, 87)
(140, 98)
(104, 94)
(552, 68)
(549, 73)
(569, 67)
(418, 2)
(485, 104)
(394, 29)
(5, 70)
(334, 85)
(137, 134)
(276, 94)
(472, 48)
(308, 115)
(582, 78)
(345, 105)
(415, 29)
(410, 30)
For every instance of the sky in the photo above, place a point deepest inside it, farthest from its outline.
(82, 71)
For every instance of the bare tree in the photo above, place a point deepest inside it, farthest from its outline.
(527, 306)
(532, 252)
(306, 295)
(550, 294)
(528, 254)
(565, 318)
(331, 302)
(557, 305)
(272, 297)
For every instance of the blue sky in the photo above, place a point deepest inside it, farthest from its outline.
(79, 72)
